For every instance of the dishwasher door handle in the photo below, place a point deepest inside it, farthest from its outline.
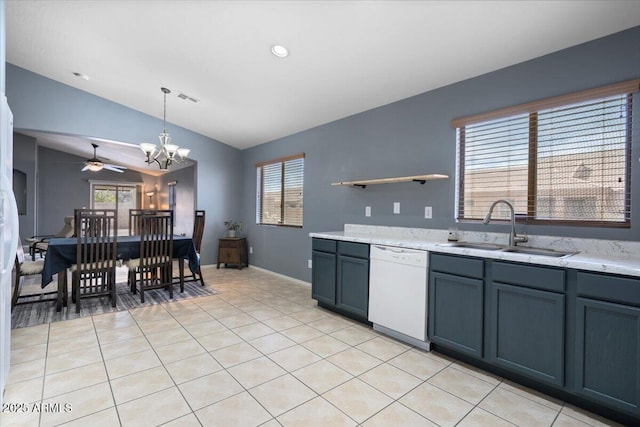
(389, 248)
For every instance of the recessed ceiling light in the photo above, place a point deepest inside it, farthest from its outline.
(279, 51)
(81, 76)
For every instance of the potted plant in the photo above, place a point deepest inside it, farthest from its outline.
(233, 228)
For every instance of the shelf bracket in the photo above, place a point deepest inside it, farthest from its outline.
(363, 186)
(421, 181)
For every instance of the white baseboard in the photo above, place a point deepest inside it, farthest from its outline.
(302, 282)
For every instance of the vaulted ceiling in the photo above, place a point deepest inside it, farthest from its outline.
(345, 56)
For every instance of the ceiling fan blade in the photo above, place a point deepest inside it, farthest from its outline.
(84, 168)
(113, 168)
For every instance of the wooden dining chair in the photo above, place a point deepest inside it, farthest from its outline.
(153, 269)
(198, 231)
(23, 269)
(135, 218)
(94, 273)
(40, 244)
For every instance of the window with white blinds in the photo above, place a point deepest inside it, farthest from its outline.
(564, 160)
(279, 191)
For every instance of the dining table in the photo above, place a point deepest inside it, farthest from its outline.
(61, 255)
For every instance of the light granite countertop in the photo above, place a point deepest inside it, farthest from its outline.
(605, 256)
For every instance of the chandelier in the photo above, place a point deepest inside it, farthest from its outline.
(166, 155)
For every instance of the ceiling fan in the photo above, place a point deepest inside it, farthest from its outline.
(95, 164)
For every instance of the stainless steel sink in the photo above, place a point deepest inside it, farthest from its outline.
(514, 249)
(538, 251)
(484, 246)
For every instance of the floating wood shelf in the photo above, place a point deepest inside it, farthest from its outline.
(416, 178)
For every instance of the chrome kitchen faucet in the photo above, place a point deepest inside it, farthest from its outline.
(513, 238)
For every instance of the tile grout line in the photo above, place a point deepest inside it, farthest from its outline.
(165, 368)
(104, 363)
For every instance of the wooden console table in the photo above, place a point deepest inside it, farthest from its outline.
(233, 250)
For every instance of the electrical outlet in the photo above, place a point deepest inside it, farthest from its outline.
(428, 212)
(367, 211)
(250, 249)
(309, 263)
(396, 207)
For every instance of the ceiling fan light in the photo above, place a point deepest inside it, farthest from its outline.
(94, 166)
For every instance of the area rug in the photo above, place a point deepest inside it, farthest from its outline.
(45, 312)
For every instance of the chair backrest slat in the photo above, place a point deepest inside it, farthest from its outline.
(198, 229)
(96, 249)
(156, 239)
(135, 220)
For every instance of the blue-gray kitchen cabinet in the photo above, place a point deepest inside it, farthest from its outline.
(353, 285)
(607, 365)
(323, 274)
(527, 312)
(340, 277)
(456, 303)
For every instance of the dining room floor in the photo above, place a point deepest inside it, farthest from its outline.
(258, 353)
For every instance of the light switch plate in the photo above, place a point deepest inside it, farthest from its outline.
(428, 212)
(309, 263)
(250, 249)
(396, 207)
(367, 211)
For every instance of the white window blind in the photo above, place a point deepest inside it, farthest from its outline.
(556, 161)
(279, 191)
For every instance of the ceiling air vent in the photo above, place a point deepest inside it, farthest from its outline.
(186, 97)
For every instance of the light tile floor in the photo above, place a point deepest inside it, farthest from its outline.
(259, 353)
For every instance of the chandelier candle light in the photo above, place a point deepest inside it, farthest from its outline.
(167, 153)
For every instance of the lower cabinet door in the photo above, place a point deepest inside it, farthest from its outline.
(323, 277)
(608, 353)
(456, 313)
(353, 285)
(527, 332)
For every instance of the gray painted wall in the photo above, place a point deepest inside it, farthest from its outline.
(413, 136)
(42, 104)
(24, 159)
(63, 187)
(185, 197)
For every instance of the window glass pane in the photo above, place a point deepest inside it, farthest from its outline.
(495, 166)
(271, 193)
(582, 161)
(279, 192)
(258, 194)
(568, 163)
(293, 183)
(127, 199)
(119, 197)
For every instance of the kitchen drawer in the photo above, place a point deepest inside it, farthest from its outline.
(324, 245)
(358, 250)
(460, 266)
(625, 290)
(544, 278)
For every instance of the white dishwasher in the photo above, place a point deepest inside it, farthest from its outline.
(398, 293)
